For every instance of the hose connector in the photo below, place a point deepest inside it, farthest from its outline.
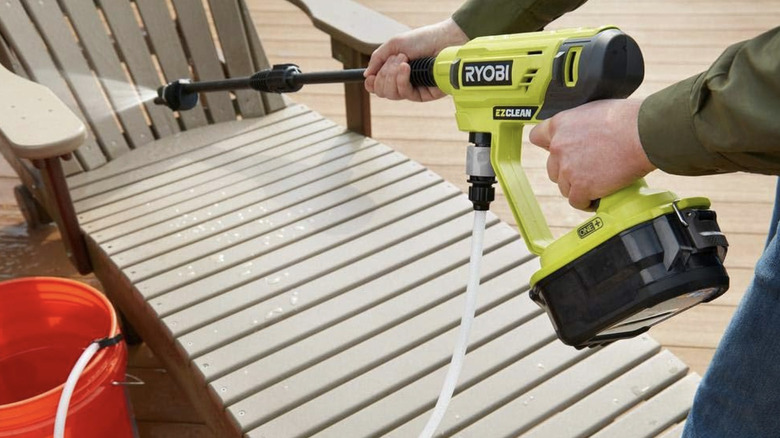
(480, 171)
(279, 79)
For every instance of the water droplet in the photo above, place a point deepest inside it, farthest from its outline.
(205, 365)
(223, 389)
(241, 413)
(293, 300)
(615, 401)
(189, 344)
(219, 258)
(540, 366)
(273, 280)
(639, 391)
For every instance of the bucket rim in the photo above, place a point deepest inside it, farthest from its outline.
(99, 362)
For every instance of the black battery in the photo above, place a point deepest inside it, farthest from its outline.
(636, 279)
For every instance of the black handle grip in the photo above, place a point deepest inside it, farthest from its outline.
(422, 72)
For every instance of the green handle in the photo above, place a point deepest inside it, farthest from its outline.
(505, 156)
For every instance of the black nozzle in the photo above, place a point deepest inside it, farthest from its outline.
(176, 96)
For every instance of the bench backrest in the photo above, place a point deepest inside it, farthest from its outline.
(106, 58)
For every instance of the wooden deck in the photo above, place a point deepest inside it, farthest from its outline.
(678, 39)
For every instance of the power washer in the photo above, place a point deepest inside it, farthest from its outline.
(643, 257)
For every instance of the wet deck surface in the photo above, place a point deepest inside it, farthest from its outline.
(680, 39)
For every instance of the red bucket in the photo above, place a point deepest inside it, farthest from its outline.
(45, 325)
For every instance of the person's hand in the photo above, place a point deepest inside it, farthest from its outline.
(595, 149)
(387, 74)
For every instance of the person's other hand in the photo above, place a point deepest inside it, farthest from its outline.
(595, 149)
(387, 74)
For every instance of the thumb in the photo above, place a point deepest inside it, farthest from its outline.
(379, 57)
(541, 134)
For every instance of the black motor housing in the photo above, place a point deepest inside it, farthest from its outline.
(636, 279)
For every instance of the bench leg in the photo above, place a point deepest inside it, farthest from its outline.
(357, 99)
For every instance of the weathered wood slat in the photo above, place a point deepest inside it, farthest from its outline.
(168, 49)
(100, 52)
(349, 331)
(337, 295)
(483, 397)
(157, 188)
(527, 343)
(675, 432)
(273, 102)
(169, 152)
(259, 232)
(314, 202)
(138, 61)
(197, 38)
(657, 414)
(117, 189)
(161, 218)
(34, 56)
(602, 406)
(303, 403)
(242, 351)
(66, 51)
(235, 48)
(565, 389)
(272, 274)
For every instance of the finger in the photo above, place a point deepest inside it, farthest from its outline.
(378, 58)
(369, 83)
(541, 134)
(579, 199)
(565, 188)
(384, 86)
(405, 88)
(552, 168)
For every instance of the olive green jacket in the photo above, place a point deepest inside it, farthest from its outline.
(725, 119)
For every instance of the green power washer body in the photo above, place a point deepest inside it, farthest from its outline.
(645, 255)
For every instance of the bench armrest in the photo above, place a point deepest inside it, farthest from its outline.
(350, 23)
(34, 122)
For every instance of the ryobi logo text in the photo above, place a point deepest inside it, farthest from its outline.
(514, 112)
(487, 73)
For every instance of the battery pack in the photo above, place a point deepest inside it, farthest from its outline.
(636, 279)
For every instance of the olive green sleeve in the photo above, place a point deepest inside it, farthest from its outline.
(723, 120)
(495, 17)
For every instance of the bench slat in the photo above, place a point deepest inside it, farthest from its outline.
(65, 49)
(119, 189)
(191, 211)
(337, 295)
(599, 408)
(475, 402)
(137, 59)
(167, 47)
(657, 414)
(259, 234)
(410, 214)
(106, 64)
(196, 35)
(533, 407)
(309, 400)
(235, 49)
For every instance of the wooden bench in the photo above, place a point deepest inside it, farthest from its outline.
(295, 277)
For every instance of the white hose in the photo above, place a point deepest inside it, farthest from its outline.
(477, 238)
(70, 386)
